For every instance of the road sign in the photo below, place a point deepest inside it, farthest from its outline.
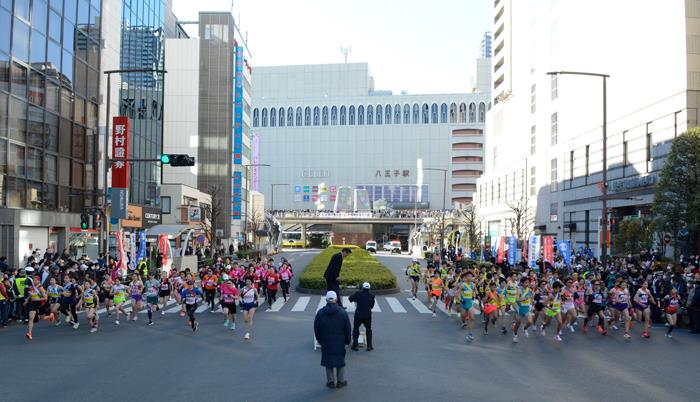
(200, 239)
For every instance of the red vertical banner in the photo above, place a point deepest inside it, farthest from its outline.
(120, 152)
(501, 249)
(548, 244)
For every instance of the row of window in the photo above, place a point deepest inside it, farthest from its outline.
(370, 115)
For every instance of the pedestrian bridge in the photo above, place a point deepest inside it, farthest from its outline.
(312, 218)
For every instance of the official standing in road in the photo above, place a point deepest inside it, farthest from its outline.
(332, 274)
(332, 331)
(363, 315)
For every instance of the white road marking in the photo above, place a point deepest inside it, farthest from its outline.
(418, 305)
(175, 309)
(276, 306)
(301, 304)
(376, 308)
(350, 307)
(321, 303)
(395, 305)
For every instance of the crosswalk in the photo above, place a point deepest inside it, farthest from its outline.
(300, 304)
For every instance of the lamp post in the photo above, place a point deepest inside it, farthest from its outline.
(444, 204)
(272, 194)
(247, 179)
(104, 243)
(604, 198)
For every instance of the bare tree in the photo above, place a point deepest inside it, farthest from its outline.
(255, 221)
(211, 214)
(470, 219)
(523, 219)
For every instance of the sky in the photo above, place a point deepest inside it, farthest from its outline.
(418, 46)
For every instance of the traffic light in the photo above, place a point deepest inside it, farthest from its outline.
(177, 160)
(84, 221)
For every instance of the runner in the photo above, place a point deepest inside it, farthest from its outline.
(229, 296)
(524, 300)
(209, 283)
(164, 291)
(595, 306)
(272, 279)
(151, 291)
(491, 307)
(642, 310)
(620, 297)
(436, 286)
(136, 288)
(106, 294)
(450, 291)
(54, 292)
(36, 296)
(286, 275)
(249, 302)
(189, 295)
(467, 295)
(673, 303)
(414, 272)
(119, 295)
(568, 309)
(90, 303)
(553, 310)
(69, 301)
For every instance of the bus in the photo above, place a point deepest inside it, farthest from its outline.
(292, 240)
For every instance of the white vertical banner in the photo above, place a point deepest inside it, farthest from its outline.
(419, 181)
(132, 252)
(534, 250)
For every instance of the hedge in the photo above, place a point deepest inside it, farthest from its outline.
(360, 266)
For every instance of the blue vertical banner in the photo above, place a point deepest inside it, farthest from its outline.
(236, 205)
(512, 249)
(237, 159)
(142, 245)
(565, 251)
(534, 251)
(132, 262)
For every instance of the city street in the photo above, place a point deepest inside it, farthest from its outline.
(416, 357)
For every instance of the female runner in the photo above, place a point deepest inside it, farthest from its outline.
(229, 296)
(249, 302)
(642, 310)
(673, 304)
(136, 288)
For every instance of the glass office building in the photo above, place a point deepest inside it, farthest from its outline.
(49, 94)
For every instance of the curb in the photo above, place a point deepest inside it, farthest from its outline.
(348, 291)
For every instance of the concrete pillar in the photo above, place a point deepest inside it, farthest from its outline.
(303, 233)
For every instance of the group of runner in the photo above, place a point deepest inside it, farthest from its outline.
(61, 295)
(520, 301)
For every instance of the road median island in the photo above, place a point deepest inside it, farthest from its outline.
(360, 266)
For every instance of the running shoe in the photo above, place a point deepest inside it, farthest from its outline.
(135, 318)
(93, 330)
(68, 318)
(464, 325)
(615, 327)
(542, 332)
(600, 329)
(76, 325)
(150, 323)
(627, 336)
(434, 315)
(162, 312)
(646, 334)
(246, 336)
(182, 313)
(233, 326)
(585, 330)
(515, 338)
(116, 322)
(527, 334)
(558, 338)
(28, 335)
(669, 336)
(470, 338)
(58, 322)
(571, 328)
(504, 331)
(196, 325)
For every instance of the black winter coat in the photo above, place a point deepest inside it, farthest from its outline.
(332, 330)
(333, 269)
(365, 303)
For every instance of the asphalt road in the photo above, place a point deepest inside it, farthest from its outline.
(416, 358)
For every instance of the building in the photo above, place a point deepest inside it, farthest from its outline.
(49, 70)
(544, 142)
(485, 51)
(323, 127)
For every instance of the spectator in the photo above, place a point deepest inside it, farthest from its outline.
(332, 330)
(332, 274)
(363, 315)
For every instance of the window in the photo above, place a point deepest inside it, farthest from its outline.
(298, 114)
(307, 116)
(35, 127)
(55, 26)
(553, 212)
(370, 114)
(324, 116)
(343, 115)
(50, 168)
(273, 117)
(554, 84)
(166, 205)
(378, 120)
(555, 129)
(443, 113)
(22, 9)
(498, 197)
(317, 116)
(588, 155)
(553, 184)
(34, 164)
(495, 157)
(416, 113)
(453, 113)
(406, 114)
(571, 165)
(3, 163)
(425, 114)
(360, 115)
(51, 140)
(533, 181)
(351, 115)
(264, 117)
(19, 80)
(533, 140)
(290, 117)
(533, 99)
(463, 112)
(334, 116)
(434, 113)
(387, 114)
(281, 117)
(397, 114)
(649, 144)
(17, 123)
(5, 21)
(16, 165)
(482, 112)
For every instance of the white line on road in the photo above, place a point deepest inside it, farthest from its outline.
(351, 307)
(301, 304)
(395, 305)
(276, 306)
(145, 310)
(376, 308)
(321, 303)
(202, 308)
(418, 305)
(175, 309)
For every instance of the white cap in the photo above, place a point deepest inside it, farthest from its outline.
(366, 285)
(224, 277)
(331, 295)
(415, 259)
(29, 269)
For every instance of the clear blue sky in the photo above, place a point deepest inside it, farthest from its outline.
(421, 46)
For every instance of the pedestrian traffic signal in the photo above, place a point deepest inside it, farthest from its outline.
(84, 222)
(177, 160)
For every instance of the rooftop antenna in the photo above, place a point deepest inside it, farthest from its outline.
(346, 51)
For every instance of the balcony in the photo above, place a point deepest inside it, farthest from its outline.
(467, 146)
(464, 187)
(467, 173)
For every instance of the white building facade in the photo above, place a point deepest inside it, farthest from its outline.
(544, 143)
(322, 127)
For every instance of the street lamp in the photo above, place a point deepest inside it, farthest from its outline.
(104, 243)
(272, 194)
(247, 178)
(604, 220)
(444, 203)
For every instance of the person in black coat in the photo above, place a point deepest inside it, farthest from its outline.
(332, 331)
(363, 315)
(332, 274)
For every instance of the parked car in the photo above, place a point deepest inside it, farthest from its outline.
(371, 246)
(393, 246)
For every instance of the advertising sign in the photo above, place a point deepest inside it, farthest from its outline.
(142, 245)
(501, 248)
(534, 251)
(120, 152)
(512, 249)
(255, 150)
(565, 250)
(194, 214)
(236, 205)
(548, 249)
